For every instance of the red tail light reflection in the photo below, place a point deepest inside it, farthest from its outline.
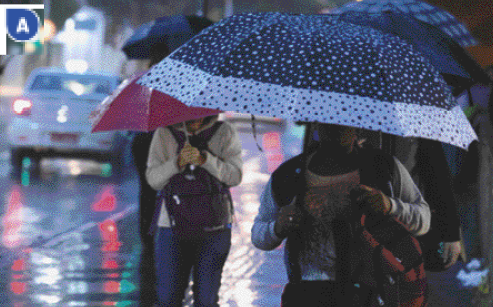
(111, 246)
(19, 265)
(110, 264)
(271, 142)
(109, 236)
(106, 203)
(18, 287)
(112, 287)
(12, 221)
(109, 231)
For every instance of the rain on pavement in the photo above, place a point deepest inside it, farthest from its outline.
(70, 237)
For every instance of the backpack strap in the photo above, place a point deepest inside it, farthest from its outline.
(202, 139)
(179, 137)
(403, 246)
(199, 141)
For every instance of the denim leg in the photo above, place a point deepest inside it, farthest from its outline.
(174, 261)
(210, 258)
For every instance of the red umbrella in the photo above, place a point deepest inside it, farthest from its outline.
(139, 108)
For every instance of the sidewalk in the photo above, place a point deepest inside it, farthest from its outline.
(256, 278)
(252, 277)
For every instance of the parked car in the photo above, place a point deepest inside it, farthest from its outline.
(51, 119)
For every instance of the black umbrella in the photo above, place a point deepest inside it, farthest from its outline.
(166, 33)
(416, 9)
(455, 64)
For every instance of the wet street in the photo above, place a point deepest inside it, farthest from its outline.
(70, 237)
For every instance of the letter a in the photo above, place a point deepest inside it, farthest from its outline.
(22, 26)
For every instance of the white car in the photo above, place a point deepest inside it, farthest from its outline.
(51, 119)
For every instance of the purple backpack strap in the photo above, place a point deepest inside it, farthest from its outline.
(198, 140)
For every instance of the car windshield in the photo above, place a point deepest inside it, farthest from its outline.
(72, 84)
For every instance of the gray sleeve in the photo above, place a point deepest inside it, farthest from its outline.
(227, 166)
(408, 205)
(162, 160)
(263, 235)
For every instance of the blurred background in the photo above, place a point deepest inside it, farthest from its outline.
(69, 233)
(95, 30)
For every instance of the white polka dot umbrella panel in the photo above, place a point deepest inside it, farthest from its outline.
(419, 10)
(315, 69)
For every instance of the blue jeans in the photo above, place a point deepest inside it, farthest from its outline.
(175, 258)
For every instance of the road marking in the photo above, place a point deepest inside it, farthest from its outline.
(66, 235)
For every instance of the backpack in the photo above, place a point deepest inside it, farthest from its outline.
(380, 261)
(390, 253)
(196, 201)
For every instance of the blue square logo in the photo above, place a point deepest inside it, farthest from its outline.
(23, 29)
(23, 25)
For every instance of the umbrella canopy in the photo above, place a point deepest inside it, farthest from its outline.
(139, 108)
(168, 31)
(313, 69)
(419, 10)
(455, 64)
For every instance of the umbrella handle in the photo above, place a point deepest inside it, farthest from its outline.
(191, 167)
(185, 131)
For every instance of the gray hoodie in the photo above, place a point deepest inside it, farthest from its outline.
(225, 163)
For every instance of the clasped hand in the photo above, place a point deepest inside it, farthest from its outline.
(370, 200)
(367, 199)
(289, 219)
(190, 155)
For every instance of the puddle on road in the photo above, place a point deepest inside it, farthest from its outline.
(97, 266)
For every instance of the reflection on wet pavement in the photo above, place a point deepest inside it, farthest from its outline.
(62, 240)
(88, 267)
(70, 238)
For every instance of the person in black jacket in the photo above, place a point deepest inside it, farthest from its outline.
(147, 198)
(336, 185)
(140, 151)
(426, 161)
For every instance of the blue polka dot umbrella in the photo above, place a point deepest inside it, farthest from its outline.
(313, 68)
(416, 9)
